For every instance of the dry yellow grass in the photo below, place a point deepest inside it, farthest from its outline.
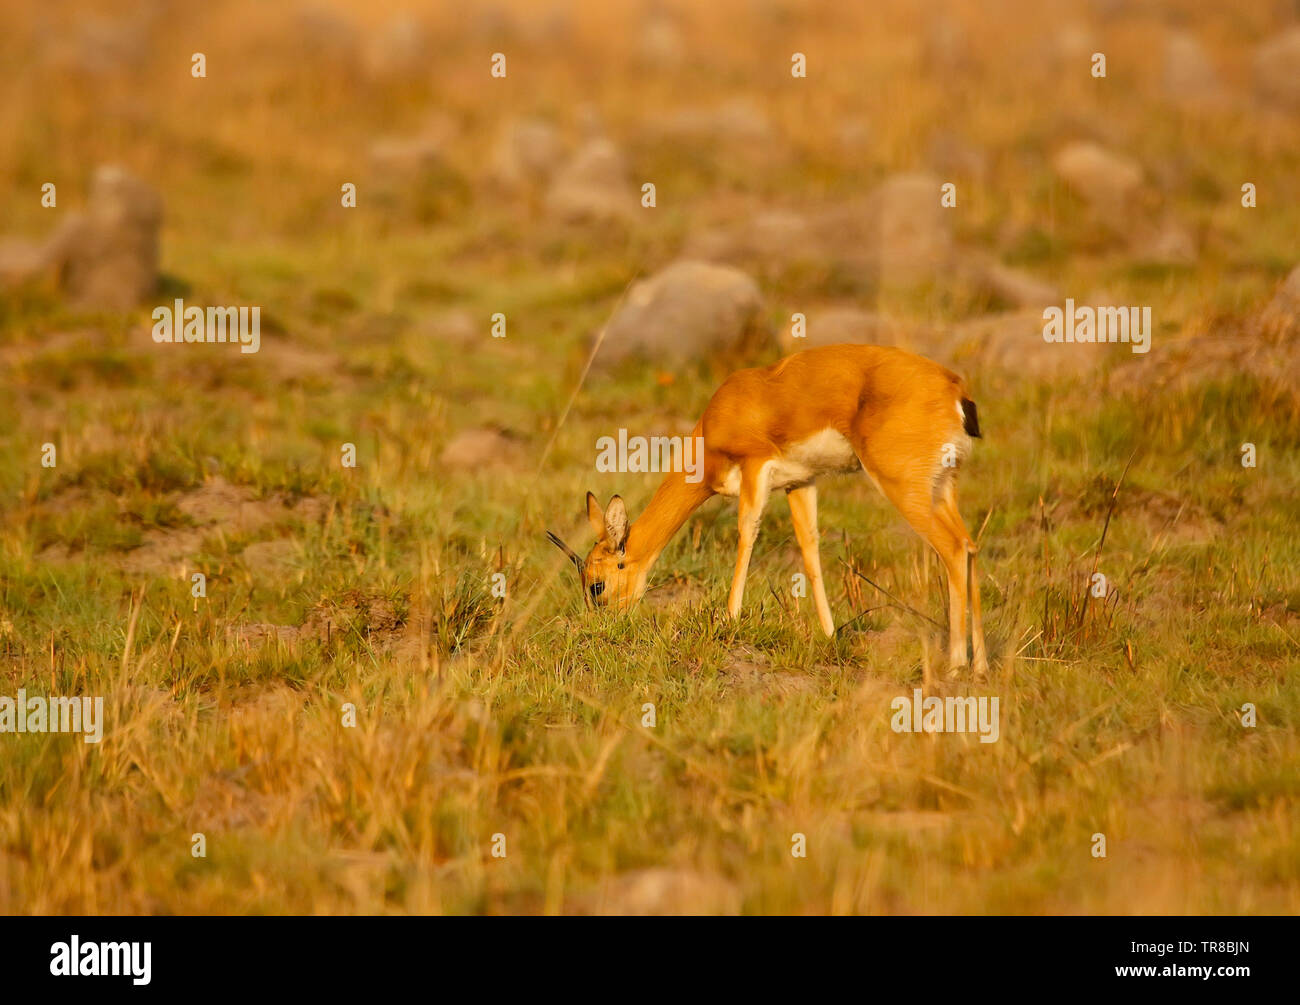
(477, 717)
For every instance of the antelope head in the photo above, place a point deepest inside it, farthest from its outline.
(610, 574)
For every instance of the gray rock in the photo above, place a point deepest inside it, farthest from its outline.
(1107, 181)
(593, 186)
(687, 311)
(108, 254)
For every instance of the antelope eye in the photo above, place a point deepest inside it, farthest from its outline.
(597, 589)
(620, 565)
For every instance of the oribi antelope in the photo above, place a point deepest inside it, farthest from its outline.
(905, 420)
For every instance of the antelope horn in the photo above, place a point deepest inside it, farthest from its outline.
(573, 555)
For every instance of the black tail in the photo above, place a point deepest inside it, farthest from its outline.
(970, 419)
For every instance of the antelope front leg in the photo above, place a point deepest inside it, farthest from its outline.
(803, 514)
(753, 497)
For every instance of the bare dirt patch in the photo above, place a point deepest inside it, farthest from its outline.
(218, 507)
(380, 621)
(746, 674)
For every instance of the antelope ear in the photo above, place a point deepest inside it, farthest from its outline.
(616, 523)
(595, 515)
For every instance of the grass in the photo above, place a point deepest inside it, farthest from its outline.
(477, 715)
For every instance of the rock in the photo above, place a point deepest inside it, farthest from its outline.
(658, 892)
(687, 311)
(484, 447)
(1277, 70)
(1190, 76)
(1107, 181)
(900, 233)
(108, 254)
(526, 154)
(593, 186)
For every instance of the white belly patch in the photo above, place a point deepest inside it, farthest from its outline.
(824, 453)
